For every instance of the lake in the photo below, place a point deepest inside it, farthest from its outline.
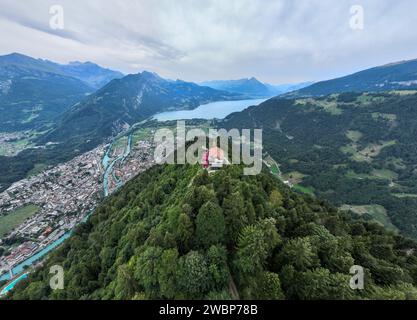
(213, 110)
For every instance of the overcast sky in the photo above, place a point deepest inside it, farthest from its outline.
(277, 41)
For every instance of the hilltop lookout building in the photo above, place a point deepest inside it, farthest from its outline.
(214, 159)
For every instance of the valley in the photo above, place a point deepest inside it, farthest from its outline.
(338, 187)
(62, 197)
(57, 200)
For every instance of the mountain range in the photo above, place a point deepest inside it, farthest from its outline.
(97, 117)
(179, 232)
(394, 76)
(33, 92)
(126, 101)
(253, 88)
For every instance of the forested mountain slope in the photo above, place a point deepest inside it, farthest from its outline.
(90, 73)
(175, 232)
(33, 93)
(126, 101)
(394, 76)
(356, 150)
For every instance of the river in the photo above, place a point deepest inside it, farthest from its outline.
(109, 167)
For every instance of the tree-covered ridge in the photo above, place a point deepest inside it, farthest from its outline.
(124, 102)
(176, 232)
(394, 76)
(34, 92)
(354, 149)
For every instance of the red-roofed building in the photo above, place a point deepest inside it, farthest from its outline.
(213, 159)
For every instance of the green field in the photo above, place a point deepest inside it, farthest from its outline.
(119, 146)
(326, 105)
(15, 218)
(10, 149)
(403, 92)
(39, 167)
(353, 175)
(384, 116)
(368, 153)
(305, 190)
(275, 170)
(366, 99)
(141, 134)
(404, 195)
(379, 213)
(385, 174)
(353, 135)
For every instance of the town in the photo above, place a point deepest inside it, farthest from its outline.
(64, 196)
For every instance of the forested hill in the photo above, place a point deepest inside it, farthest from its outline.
(394, 76)
(359, 151)
(177, 232)
(33, 93)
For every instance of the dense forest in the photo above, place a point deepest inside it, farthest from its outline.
(393, 76)
(352, 149)
(177, 232)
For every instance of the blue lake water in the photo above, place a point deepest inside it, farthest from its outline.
(213, 110)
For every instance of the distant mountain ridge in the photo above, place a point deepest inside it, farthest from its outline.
(126, 101)
(91, 73)
(393, 76)
(252, 87)
(105, 113)
(284, 88)
(34, 91)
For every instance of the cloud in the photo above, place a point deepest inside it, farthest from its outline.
(276, 41)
